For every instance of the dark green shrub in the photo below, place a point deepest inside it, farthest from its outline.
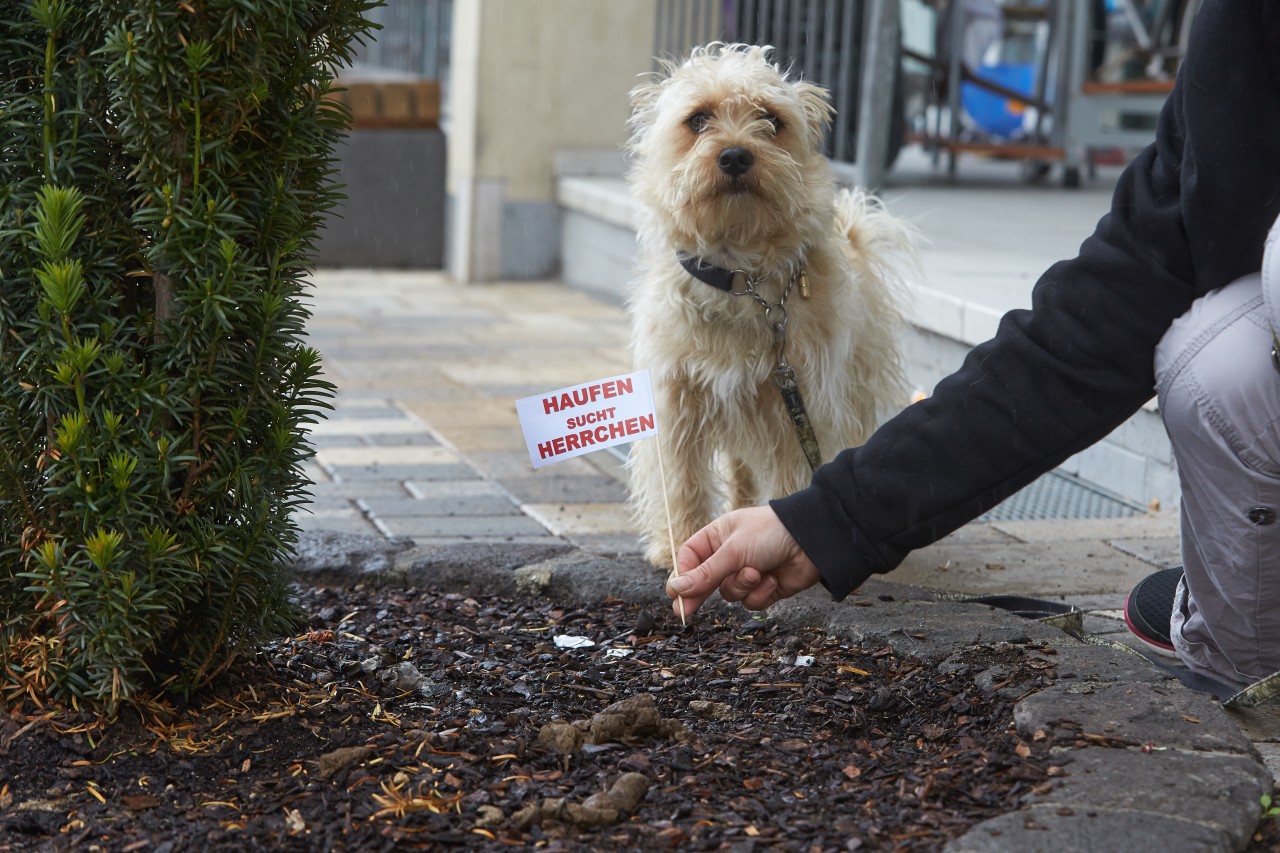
(163, 166)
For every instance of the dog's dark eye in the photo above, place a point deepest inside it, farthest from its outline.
(773, 120)
(698, 121)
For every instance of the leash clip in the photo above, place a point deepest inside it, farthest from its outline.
(784, 376)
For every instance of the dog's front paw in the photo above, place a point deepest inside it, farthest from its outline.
(658, 553)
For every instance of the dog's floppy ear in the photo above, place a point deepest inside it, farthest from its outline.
(818, 112)
(644, 97)
(645, 94)
(644, 100)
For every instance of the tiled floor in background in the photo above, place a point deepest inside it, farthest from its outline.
(424, 442)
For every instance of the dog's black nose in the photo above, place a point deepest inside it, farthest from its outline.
(735, 161)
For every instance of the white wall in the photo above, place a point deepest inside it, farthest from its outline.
(529, 79)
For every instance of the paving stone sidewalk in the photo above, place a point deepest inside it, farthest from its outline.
(421, 475)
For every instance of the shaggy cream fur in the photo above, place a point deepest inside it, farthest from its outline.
(775, 212)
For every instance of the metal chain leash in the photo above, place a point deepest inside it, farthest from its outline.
(775, 313)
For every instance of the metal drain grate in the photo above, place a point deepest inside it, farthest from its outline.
(1061, 495)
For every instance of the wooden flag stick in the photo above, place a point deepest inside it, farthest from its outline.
(671, 535)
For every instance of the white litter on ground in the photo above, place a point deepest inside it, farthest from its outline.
(569, 641)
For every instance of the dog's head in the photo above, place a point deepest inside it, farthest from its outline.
(728, 152)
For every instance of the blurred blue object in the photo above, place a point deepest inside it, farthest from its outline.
(996, 114)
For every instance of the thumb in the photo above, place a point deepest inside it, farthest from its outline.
(689, 560)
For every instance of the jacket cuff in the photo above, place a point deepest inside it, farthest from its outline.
(830, 539)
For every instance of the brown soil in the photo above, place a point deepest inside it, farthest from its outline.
(408, 719)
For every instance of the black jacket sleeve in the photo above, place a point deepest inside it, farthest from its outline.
(1189, 215)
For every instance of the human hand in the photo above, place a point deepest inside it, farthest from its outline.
(748, 555)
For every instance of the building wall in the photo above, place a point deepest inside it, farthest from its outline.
(393, 210)
(528, 80)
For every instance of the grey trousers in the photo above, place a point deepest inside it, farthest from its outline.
(1219, 395)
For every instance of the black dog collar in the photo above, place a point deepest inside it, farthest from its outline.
(718, 277)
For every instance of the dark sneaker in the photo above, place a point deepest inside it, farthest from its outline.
(1149, 609)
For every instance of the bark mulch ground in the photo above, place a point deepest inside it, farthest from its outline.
(406, 719)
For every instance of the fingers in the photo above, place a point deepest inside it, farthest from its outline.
(695, 552)
(694, 586)
(702, 565)
(763, 595)
(739, 585)
(747, 586)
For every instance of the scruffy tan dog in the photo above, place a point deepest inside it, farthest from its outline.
(749, 258)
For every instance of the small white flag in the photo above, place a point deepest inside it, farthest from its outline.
(572, 421)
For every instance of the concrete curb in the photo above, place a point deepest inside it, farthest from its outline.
(1168, 768)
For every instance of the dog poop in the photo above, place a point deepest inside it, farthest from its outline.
(600, 809)
(633, 718)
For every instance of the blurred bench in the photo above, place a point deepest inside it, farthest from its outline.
(394, 103)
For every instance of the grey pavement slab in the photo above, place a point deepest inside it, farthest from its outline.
(349, 490)
(572, 489)
(607, 544)
(1261, 724)
(404, 391)
(1201, 789)
(336, 440)
(440, 507)
(328, 557)
(329, 503)
(980, 533)
(456, 526)
(926, 629)
(1161, 551)
(401, 473)
(1070, 567)
(365, 427)
(355, 352)
(452, 541)
(387, 455)
(582, 519)
(314, 472)
(354, 524)
(1146, 526)
(435, 489)
(1133, 714)
(1053, 829)
(506, 465)
(1084, 666)
(401, 440)
(478, 568)
(365, 409)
